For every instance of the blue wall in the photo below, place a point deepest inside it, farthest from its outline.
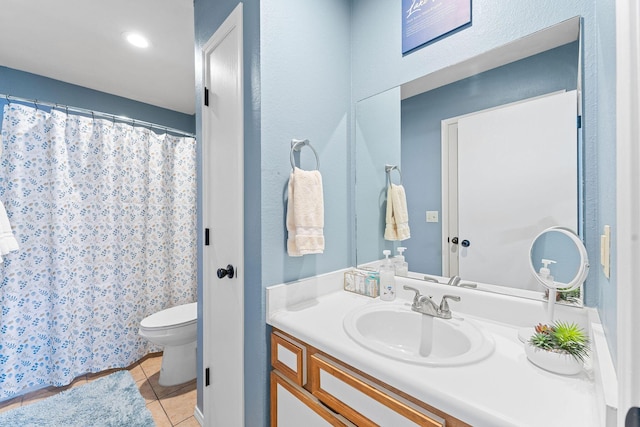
(297, 85)
(604, 57)
(306, 93)
(301, 69)
(422, 114)
(378, 65)
(32, 86)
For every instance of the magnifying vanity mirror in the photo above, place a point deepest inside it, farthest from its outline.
(559, 261)
(482, 160)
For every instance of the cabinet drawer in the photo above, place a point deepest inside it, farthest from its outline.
(289, 357)
(352, 395)
(293, 406)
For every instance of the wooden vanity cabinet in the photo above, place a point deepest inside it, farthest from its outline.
(337, 393)
(293, 406)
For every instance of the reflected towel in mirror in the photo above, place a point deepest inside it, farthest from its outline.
(305, 213)
(397, 219)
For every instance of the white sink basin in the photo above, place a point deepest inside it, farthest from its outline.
(393, 330)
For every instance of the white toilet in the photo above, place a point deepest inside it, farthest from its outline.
(174, 328)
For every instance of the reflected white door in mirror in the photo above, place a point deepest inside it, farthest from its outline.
(508, 173)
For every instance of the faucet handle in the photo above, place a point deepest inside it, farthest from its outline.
(444, 305)
(416, 297)
(454, 281)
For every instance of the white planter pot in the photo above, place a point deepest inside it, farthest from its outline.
(559, 363)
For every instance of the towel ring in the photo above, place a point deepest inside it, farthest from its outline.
(388, 169)
(296, 145)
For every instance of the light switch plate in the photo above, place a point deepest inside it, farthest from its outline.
(432, 216)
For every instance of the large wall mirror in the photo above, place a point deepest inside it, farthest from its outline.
(504, 101)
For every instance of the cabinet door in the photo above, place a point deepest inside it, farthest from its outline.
(293, 406)
(289, 357)
(354, 396)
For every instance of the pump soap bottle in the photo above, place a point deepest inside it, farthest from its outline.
(387, 279)
(401, 266)
(545, 272)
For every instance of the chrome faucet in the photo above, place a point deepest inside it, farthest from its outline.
(425, 304)
(456, 281)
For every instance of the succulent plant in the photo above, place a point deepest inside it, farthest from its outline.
(561, 337)
(572, 296)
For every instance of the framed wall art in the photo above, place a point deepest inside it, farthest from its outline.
(424, 21)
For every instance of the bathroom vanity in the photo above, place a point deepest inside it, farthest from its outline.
(322, 390)
(323, 376)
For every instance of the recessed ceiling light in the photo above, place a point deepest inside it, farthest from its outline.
(136, 39)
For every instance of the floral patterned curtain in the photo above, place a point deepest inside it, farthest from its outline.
(104, 214)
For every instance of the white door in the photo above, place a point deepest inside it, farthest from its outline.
(223, 216)
(517, 175)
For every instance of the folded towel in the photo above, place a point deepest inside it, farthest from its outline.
(8, 243)
(305, 213)
(397, 218)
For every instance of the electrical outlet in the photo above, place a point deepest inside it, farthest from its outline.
(432, 216)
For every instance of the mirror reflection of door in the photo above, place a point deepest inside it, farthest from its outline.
(511, 173)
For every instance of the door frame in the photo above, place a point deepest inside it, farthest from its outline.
(627, 204)
(229, 380)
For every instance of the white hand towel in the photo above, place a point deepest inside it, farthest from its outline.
(8, 242)
(305, 213)
(397, 217)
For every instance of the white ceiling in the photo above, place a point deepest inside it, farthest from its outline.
(80, 42)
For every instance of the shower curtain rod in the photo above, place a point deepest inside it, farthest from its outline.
(94, 114)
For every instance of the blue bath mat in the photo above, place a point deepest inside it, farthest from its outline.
(112, 401)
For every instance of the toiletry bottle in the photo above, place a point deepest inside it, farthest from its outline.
(401, 266)
(545, 273)
(387, 279)
(372, 284)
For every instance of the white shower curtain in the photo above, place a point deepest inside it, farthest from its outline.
(105, 217)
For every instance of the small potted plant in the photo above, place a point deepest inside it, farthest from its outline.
(560, 348)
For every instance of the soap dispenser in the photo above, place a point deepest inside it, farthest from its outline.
(401, 266)
(387, 278)
(545, 273)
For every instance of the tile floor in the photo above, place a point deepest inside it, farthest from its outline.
(170, 406)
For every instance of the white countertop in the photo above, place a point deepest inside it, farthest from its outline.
(504, 389)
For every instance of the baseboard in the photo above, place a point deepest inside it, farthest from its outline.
(197, 414)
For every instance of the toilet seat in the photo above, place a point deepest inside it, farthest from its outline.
(173, 317)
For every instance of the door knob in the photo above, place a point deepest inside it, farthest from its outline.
(454, 240)
(229, 271)
(465, 243)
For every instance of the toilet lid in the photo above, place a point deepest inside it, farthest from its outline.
(172, 317)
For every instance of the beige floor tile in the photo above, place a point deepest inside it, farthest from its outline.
(151, 364)
(158, 414)
(162, 391)
(10, 404)
(189, 422)
(136, 372)
(179, 405)
(146, 391)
